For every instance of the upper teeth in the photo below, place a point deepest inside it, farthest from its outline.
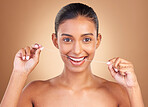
(79, 59)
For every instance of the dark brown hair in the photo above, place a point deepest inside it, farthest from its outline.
(73, 10)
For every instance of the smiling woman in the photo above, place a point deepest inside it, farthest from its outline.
(77, 38)
(82, 42)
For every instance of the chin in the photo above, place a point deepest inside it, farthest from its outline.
(76, 69)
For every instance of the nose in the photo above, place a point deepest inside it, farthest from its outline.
(77, 48)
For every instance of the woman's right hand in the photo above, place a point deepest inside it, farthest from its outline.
(27, 58)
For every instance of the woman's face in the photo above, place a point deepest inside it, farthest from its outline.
(77, 41)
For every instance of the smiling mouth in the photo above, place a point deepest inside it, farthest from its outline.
(77, 60)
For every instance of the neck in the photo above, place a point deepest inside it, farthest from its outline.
(77, 80)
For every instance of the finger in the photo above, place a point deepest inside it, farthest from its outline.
(112, 60)
(117, 60)
(123, 60)
(125, 65)
(22, 54)
(116, 63)
(128, 69)
(27, 49)
(112, 71)
(37, 54)
(123, 71)
(115, 69)
(35, 47)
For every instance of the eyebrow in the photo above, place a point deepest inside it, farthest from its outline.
(87, 34)
(64, 34)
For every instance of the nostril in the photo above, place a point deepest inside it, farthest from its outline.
(85, 57)
(77, 48)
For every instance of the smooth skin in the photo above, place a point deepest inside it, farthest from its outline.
(76, 86)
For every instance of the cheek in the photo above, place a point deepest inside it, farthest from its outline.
(64, 48)
(90, 48)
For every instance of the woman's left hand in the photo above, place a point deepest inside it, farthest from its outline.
(123, 72)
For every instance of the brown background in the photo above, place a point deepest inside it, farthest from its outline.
(123, 25)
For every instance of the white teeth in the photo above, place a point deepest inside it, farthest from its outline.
(80, 59)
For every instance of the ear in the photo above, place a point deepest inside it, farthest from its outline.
(54, 40)
(98, 40)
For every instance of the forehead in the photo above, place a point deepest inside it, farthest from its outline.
(78, 26)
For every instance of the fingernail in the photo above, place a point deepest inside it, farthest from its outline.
(27, 57)
(116, 69)
(108, 63)
(23, 57)
(36, 46)
(41, 48)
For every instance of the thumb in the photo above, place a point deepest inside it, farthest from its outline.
(37, 53)
(110, 67)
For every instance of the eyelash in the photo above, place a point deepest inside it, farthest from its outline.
(87, 39)
(68, 40)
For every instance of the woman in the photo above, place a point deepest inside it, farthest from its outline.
(76, 36)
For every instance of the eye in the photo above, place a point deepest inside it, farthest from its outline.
(87, 39)
(67, 40)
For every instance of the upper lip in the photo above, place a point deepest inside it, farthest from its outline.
(77, 57)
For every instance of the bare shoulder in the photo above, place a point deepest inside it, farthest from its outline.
(32, 88)
(27, 95)
(116, 91)
(33, 91)
(38, 86)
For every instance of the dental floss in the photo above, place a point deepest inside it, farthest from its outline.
(100, 61)
(103, 62)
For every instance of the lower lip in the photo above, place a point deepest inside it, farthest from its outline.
(77, 63)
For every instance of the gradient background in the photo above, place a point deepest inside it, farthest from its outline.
(123, 25)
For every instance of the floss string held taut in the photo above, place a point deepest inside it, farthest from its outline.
(103, 62)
